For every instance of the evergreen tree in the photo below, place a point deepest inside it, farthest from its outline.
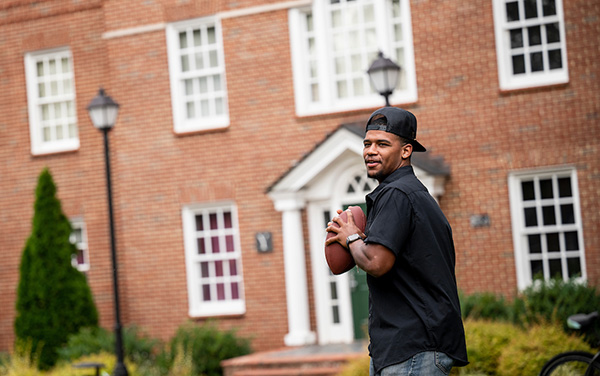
(53, 298)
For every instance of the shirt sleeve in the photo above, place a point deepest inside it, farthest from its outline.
(391, 224)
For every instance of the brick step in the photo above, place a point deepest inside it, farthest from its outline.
(289, 371)
(313, 360)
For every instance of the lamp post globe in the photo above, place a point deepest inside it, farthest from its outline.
(384, 73)
(103, 112)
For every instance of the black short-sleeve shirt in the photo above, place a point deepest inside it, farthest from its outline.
(414, 307)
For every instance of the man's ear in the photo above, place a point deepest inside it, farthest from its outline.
(407, 150)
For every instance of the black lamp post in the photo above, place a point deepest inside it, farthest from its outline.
(384, 76)
(103, 111)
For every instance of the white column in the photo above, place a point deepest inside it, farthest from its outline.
(296, 286)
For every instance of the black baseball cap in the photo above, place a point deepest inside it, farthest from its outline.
(399, 122)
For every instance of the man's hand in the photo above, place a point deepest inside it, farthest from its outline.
(345, 229)
(373, 258)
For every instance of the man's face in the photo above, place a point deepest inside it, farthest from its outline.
(384, 153)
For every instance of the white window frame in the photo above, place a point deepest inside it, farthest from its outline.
(64, 98)
(81, 245)
(181, 122)
(322, 58)
(193, 259)
(545, 77)
(521, 232)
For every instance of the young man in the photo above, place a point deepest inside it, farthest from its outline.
(415, 325)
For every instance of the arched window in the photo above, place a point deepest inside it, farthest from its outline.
(356, 185)
(360, 184)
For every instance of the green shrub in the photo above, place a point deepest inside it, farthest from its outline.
(529, 351)
(136, 346)
(4, 358)
(86, 342)
(555, 301)
(183, 363)
(109, 360)
(356, 367)
(486, 306)
(53, 298)
(139, 347)
(166, 363)
(19, 365)
(486, 340)
(502, 349)
(551, 301)
(22, 362)
(208, 346)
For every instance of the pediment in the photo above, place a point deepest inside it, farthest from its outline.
(344, 147)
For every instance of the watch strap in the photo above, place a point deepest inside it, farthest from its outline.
(352, 238)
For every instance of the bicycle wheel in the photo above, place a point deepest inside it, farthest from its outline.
(572, 363)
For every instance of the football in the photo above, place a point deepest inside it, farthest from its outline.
(338, 258)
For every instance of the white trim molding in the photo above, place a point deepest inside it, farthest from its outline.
(213, 259)
(51, 103)
(531, 46)
(546, 225)
(334, 43)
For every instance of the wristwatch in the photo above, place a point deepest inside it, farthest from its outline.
(352, 238)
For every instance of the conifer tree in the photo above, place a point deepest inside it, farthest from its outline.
(53, 298)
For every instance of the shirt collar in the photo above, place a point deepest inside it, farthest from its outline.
(399, 173)
(371, 197)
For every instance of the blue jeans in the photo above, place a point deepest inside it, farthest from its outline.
(428, 363)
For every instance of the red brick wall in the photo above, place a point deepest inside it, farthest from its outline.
(26, 26)
(482, 133)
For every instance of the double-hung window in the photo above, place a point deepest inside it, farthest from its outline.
(547, 228)
(333, 44)
(197, 74)
(51, 101)
(213, 260)
(530, 43)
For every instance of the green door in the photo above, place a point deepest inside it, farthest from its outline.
(359, 295)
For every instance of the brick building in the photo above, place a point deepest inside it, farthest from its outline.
(240, 132)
